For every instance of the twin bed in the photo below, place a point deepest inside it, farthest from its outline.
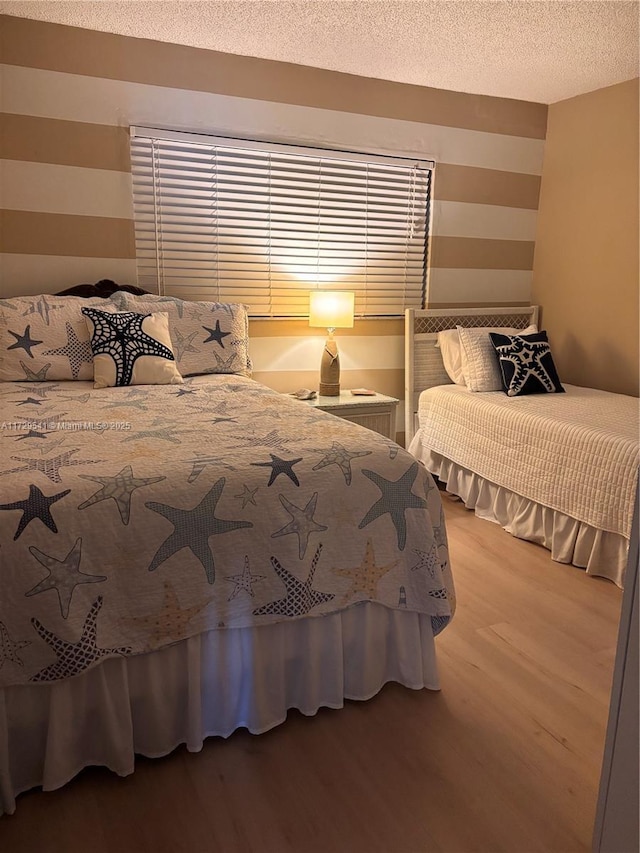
(559, 469)
(181, 560)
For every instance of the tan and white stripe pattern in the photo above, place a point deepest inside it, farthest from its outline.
(70, 96)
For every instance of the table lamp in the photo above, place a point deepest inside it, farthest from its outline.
(331, 309)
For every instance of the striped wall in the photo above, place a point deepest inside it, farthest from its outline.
(69, 96)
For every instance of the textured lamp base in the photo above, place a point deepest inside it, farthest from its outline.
(330, 369)
(329, 389)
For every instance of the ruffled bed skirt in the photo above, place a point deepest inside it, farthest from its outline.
(210, 684)
(569, 540)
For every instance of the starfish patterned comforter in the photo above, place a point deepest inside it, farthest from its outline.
(132, 518)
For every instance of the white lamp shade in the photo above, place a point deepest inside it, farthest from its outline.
(331, 309)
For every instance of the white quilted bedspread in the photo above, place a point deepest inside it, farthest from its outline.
(577, 452)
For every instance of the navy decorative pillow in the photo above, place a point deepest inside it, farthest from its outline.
(131, 349)
(526, 364)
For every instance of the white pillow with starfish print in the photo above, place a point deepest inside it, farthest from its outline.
(45, 338)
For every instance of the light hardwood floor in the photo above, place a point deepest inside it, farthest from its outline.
(505, 759)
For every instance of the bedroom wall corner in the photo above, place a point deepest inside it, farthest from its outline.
(585, 270)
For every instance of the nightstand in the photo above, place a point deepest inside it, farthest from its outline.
(377, 413)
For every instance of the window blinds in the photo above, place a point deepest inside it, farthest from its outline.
(263, 224)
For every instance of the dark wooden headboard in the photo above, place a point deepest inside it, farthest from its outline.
(103, 288)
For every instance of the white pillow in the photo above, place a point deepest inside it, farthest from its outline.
(131, 349)
(480, 365)
(451, 350)
(208, 337)
(45, 338)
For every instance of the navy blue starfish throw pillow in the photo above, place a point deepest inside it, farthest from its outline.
(131, 349)
(526, 364)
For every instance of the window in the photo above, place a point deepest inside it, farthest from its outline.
(263, 224)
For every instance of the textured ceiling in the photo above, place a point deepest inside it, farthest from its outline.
(536, 50)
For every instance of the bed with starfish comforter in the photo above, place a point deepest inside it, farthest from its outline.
(174, 557)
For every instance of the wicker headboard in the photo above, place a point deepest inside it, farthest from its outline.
(423, 362)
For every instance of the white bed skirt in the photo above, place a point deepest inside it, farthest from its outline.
(569, 540)
(210, 684)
